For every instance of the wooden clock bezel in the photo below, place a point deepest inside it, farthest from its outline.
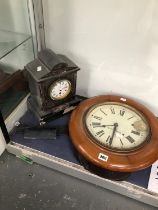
(116, 161)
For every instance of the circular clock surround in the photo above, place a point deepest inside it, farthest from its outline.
(113, 158)
(60, 89)
(131, 129)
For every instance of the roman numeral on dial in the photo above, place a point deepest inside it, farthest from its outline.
(112, 110)
(135, 132)
(100, 133)
(103, 112)
(130, 139)
(98, 118)
(107, 140)
(122, 112)
(96, 124)
(130, 118)
(121, 142)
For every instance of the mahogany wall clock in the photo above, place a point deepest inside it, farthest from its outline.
(114, 135)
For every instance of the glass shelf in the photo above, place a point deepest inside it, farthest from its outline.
(10, 41)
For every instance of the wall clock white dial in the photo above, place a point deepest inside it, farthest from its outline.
(60, 89)
(116, 126)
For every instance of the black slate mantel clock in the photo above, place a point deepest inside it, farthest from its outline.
(52, 82)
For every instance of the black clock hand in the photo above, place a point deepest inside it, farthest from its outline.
(113, 133)
(117, 131)
(103, 125)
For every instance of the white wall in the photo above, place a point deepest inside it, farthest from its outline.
(114, 42)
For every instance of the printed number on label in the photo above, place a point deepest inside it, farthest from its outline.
(103, 157)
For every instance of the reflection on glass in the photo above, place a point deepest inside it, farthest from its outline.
(16, 50)
(10, 40)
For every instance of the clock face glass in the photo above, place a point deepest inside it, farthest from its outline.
(117, 127)
(60, 89)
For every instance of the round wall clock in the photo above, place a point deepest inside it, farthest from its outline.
(114, 136)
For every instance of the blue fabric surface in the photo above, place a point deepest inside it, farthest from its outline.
(63, 148)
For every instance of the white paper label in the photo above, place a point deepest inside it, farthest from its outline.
(39, 68)
(103, 157)
(123, 99)
(153, 180)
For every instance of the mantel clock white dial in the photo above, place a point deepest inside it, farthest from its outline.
(60, 89)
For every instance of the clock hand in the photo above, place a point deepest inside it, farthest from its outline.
(113, 133)
(117, 131)
(102, 125)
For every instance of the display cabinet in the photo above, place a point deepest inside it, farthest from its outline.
(18, 46)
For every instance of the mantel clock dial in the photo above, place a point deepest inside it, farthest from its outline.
(60, 89)
(114, 133)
